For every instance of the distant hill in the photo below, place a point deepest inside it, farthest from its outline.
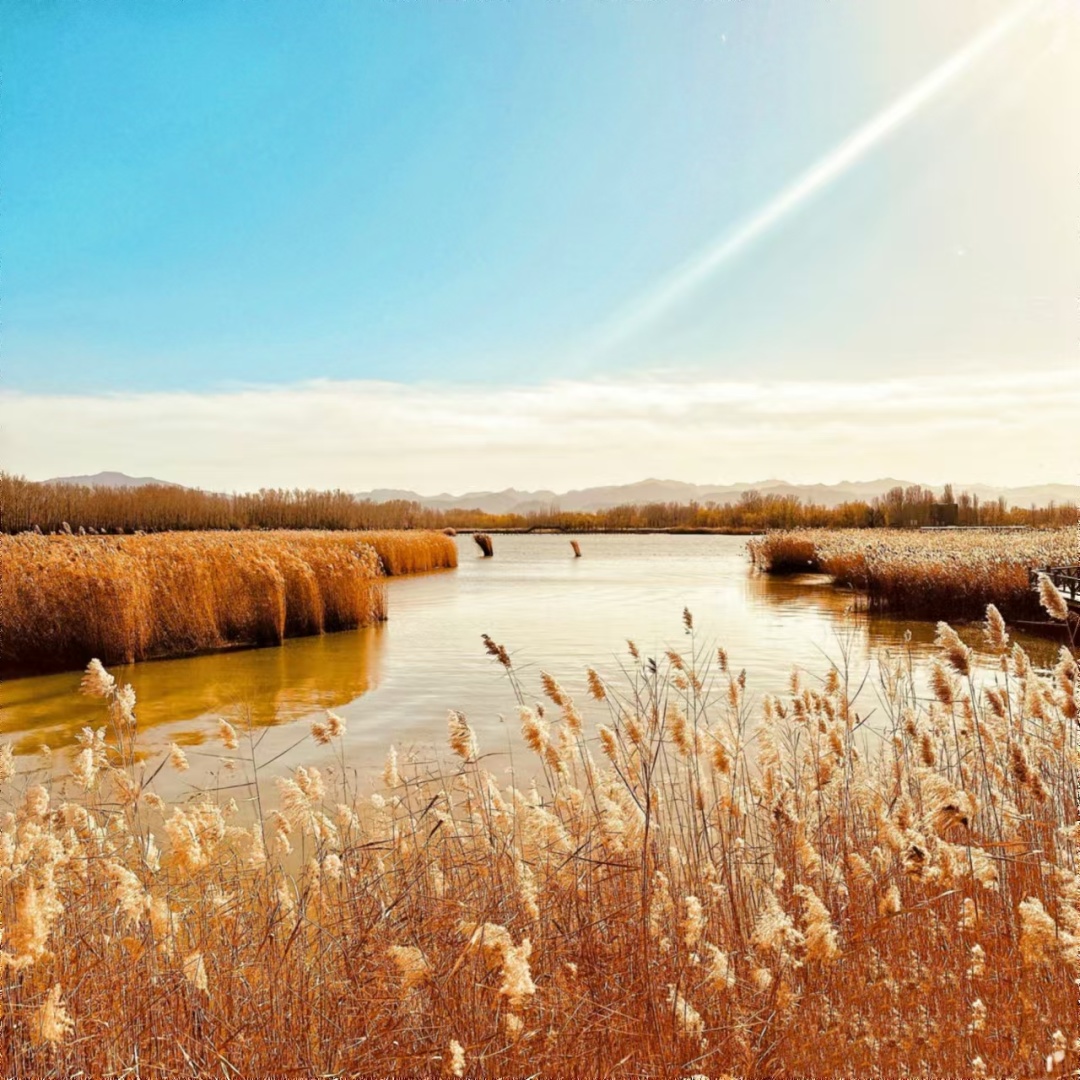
(675, 491)
(511, 500)
(111, 479)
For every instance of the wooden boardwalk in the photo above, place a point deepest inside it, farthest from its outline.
(1067, 580)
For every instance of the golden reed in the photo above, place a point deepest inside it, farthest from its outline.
(710, 887)
(955, 574)
(66, 599)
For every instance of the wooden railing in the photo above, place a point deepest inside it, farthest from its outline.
(1066, 578)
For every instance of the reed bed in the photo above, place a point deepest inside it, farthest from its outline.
(932, 574)
(701, 888)
(412, 551)
(66, 599)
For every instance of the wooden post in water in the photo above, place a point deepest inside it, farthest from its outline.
(483, 542)
(577, 549)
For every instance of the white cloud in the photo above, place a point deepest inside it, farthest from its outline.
(1005, 429)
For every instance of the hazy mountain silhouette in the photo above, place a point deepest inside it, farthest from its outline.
(511, 500)
(675, 491)
(111, 479)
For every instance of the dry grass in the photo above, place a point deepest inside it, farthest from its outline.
(952, 574)
(706, 890)
(66, 599)
(408, 551)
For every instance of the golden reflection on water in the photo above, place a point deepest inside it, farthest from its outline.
(272, 686)
(556, 613)
(884, 632)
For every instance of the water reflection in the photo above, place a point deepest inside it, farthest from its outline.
(803, 592)
(271, 686)
(556, 613)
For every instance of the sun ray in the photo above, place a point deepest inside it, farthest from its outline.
(825, 171)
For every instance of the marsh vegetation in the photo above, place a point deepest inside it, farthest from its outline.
(67, 599)
(674, 882)
(949, 574)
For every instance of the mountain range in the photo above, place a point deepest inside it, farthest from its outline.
(674, 491)
(111, 479)
(649, 491)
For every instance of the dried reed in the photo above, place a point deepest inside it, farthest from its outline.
(69, 598)
(769, 894)
(953, 574)
(409, 551)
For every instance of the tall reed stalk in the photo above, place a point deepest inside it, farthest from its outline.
(682, 883)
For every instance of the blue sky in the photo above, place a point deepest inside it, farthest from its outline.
(202, 196)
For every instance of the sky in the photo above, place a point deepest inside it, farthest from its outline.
(455, 245)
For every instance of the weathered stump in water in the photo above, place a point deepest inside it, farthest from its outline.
(483, 542)
(577, 549)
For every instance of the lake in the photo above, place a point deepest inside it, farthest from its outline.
(553, 612)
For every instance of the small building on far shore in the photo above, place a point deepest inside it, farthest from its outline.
(944, 514)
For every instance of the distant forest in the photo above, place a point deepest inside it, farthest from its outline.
(27, 505)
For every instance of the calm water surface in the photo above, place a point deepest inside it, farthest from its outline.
(395, 683)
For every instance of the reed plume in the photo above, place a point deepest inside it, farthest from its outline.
(795, 895)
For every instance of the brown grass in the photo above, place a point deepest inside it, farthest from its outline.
(408, 551)
(951, 574)
(66, 599)
(709, 889)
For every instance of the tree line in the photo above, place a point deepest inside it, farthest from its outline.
(27, 505)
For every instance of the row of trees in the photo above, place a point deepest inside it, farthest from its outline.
(158, 507)
(25, 505)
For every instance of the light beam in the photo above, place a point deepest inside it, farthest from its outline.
(824, 172)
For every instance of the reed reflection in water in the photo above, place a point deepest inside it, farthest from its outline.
(267, 686)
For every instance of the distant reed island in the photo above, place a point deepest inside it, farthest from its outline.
(931, 574)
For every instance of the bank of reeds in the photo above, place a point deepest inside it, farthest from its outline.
(411, 551)
(707, 889)
(931, 574)
(65, 599)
